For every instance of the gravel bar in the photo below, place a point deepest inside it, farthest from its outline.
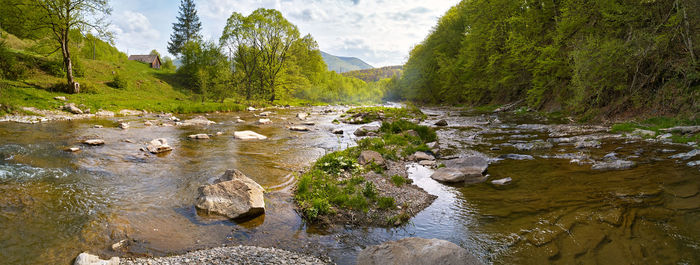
(230, 255)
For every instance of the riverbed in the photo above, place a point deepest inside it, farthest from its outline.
(557, 209)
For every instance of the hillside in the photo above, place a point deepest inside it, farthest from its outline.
(29, 78)
(376, 74)
(344, 64)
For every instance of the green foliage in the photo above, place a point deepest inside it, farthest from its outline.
(168, 64)
(425, 133)
(398, 180)
(612, 56)
(120, 81)
(370, 114)
(376, 74)
(386, 203)
(186, 29)
(10, 68)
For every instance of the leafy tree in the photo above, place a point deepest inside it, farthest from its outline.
(62, 18)
(155, 52)
(187, 28)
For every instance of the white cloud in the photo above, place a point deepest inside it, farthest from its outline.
(381, 32)
(135, 33)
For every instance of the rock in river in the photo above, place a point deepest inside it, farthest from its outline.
(299, 128)
(535, 145)
(248, 135)
(368, 156)
(337, 131)
(420, 156)
(197, 121)
(159, 145)
(89, 259)
(414, 250)
(94, 142)
(686, 156)
(233, 195)
(124, 125)
(441, 123)
(264, 121)
(199, 136)
(465, 169)
(613, 165)
(516, 157)
(502, 181)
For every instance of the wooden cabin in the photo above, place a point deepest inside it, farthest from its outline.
(153, 60)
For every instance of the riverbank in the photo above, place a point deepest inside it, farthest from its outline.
(231, 255)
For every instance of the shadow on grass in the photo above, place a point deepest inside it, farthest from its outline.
(176, 81)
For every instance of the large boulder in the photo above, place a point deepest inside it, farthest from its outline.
(248, 135)
(366, 130)
(233, 195)
(369, 156)
(418, 251)
(89, 259)
(464, 169)
(197, 121)
(159, 145)
(70, 107)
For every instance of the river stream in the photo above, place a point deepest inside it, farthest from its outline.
(56, 204)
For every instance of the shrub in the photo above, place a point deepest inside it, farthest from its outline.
(398, 180)
(119, 82)
(385, 202)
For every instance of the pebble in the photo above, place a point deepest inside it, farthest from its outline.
(230, 255)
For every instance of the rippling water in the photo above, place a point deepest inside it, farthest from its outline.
(56, 204)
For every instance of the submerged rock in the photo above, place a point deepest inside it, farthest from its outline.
(369, 156)
(299, 128)
(159, 145)
(613, 165)
(233, 195)
(337, 131)
(536, 145)
(588, 144)
(199, 136)
(89, 259)
(413, 250)
(366, 130)
(94, 142)
(516, 157)
(503, 181)
(248, 135)
(686, 156)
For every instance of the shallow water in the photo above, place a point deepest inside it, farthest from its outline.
(56, 204)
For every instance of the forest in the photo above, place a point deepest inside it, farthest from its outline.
(592, 58)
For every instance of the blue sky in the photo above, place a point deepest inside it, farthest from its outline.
(379, 32)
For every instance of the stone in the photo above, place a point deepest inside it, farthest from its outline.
(302, 116)
(503, 181)
(644, 133)
(366, 130)
(265, 114)
(299, 128)
(240, 121)
(686, 156)
(693, 163)
(60, 98)
(159, 145)
(127, 112)
(308, 123)
(124, 125)
(516, 157)
(536, 145)
(199, 136)
(664, 136)
(478, 162)
(337, 131)
(197, 121)
(588, 144)
(420, 156)
(441, 123)
(368, 156)
(416, 251)
(98, 126)
(70, 107)
(613, 165)
(89, 259)
(428, 163)
(104, 113)
(411, 133)
(248, 135)
(264, 121)
(147, 123)
(219, 133)
(72, 149)
(251, 109)
(683, 129)
(94, 142)
(175, 119)
(233, 195)
(455, 175)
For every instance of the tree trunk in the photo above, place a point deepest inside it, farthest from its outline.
(68, 66)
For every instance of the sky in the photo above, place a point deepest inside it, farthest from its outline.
(380, 32)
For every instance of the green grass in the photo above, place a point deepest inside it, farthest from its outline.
(375, 113)
(656, 125)
(398, 180)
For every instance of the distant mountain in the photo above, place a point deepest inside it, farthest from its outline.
(344, 64)
(376, 74)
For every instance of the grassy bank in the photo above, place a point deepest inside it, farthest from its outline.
(657, 125)
(337, 185)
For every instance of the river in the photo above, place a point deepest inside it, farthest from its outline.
(56, 204)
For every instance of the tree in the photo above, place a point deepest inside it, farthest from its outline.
(186, 29)
(63, 17)
(259, 45)
(155, 52)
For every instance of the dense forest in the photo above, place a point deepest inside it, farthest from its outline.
(589, 57)
(376, 74)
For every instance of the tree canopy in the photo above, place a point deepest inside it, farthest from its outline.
(187, 28)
